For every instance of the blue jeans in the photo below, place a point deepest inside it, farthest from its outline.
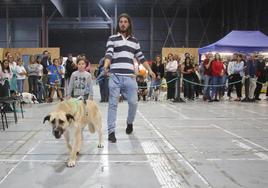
(216, 88)
(206, 92)
(20, 84)
(128, 86)
(40, 90)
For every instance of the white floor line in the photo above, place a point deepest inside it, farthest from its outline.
(240, 137)
(121, 161)
(248, 148)
(174, 110)
(160, 165)
(235, 159)
(188, 126)
(250, 111)
(171, 147)
(64, 161)
(19, 162)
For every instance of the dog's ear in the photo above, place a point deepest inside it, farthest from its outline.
(47, 118)
(69, 117)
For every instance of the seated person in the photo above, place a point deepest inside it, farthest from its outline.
(5, 77)
(142, 88)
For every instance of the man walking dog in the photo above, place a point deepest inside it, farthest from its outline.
(121, 49)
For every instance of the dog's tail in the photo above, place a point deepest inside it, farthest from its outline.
(91, 128)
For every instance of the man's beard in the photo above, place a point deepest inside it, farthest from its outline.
(124, 30)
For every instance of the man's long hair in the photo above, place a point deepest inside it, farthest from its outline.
(129, 29)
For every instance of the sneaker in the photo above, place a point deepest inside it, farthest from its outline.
(251, 100)
(245, 100)
(112, 138)
(129, 128)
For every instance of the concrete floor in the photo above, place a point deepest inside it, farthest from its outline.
(194, 144)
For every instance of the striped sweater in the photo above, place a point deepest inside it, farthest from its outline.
(121, 51)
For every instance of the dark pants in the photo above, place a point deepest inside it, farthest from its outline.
(4, 89)
(257, 92)
(104, 89)
(62, 86)
(197, 87)
(188, 88)
(171, 85)
(33, 80)
(238, 86)
(246, 84)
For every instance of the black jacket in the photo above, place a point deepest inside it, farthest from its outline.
(158, 70)
(69, 68)
(45, 61)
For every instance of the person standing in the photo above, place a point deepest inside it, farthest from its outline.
(33, 71)
(45, 62)
(159, 71)
(21, 75)
(103, 82)
(70, 67)
(250, 78)
(236, 72)
(260, 77)
(207, 76)
(217, 71)
(171, 74)
(121, 49)
(80, 84)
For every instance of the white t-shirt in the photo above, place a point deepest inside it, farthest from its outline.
(63, 70)
(40, 70)
(20, 69)
(172, 66)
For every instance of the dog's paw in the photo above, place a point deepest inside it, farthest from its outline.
(71, 164)
(100, 146)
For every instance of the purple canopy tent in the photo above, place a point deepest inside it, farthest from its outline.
(239, 41)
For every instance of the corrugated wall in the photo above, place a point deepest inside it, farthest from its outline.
(25, 33)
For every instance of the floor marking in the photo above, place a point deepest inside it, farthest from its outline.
(248, 148)
(19, 162)
(121, 161)
(240, 137)
(171, 147)
(176, 111)
(64, 161)
(161, 167)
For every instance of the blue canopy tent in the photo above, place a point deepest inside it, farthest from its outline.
(239, 41)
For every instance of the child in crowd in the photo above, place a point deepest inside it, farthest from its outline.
(21, 75)
(55, 71)
(80, 82)
(142, 85)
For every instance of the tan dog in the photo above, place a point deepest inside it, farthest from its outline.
(69, 118)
